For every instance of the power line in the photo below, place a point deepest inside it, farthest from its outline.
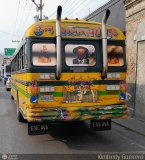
(8, 34)
(77, 7)
(54, 12)
(27, 17)
(93, 14)
(21, 20)
(16, 16)
(74, 8)
(65, 2)
(71, 6)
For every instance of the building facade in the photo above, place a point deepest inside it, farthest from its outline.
(117, 16)
(1, 63)
(135, 42)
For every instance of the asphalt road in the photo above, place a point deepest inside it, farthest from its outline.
(71, 139)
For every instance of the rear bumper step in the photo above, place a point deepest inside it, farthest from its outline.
(77, 113)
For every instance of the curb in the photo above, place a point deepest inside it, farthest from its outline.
(137, 127)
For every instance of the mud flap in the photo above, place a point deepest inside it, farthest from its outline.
(100, 125)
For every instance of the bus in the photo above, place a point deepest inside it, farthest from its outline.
(6, 72)
(70, 70)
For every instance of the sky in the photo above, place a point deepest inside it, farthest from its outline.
(17, 15)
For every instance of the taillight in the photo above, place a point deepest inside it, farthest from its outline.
(34, 91)
(123, 90)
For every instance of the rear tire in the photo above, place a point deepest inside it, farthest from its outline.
(12, 97)
(20, 116)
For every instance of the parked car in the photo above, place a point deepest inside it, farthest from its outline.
(8, 84)
(6, 78)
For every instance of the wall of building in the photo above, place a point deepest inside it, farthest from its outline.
(1, 62)
(135, 42)
(117, 16)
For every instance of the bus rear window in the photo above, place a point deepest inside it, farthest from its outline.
(80, 55)
(115, 55)
(43, 54)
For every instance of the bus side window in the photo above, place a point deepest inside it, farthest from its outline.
(21, 54)
(22, 58)
(25, 56)
(16, 62)
(19, 60)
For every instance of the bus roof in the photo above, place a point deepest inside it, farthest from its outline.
(72, 28)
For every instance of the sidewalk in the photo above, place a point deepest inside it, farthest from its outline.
(132, 124)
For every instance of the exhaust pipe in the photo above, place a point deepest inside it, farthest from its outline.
(104, 42)
(58, 43)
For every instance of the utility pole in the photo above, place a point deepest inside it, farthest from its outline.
(39, 8)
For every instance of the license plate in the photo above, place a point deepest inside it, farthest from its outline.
(38, 128)
(47, 98)
(100, 125)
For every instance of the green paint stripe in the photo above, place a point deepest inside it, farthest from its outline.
(60, 94)
(108, 93)
(109, 111)
(55, 94)
(26, 94)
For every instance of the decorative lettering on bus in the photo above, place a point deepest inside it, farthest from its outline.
(80, 91)
(76, 31)
(41, 29)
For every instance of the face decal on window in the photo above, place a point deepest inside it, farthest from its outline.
(43, 54)
(80, 55)
(115, 55)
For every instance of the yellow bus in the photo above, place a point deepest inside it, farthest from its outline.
(70, 70)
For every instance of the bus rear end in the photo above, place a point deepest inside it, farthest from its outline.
(81, 93)
(70, 78)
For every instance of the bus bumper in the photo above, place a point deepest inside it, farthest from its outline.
(77, 113)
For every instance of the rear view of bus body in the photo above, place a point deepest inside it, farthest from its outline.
(60, 79)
